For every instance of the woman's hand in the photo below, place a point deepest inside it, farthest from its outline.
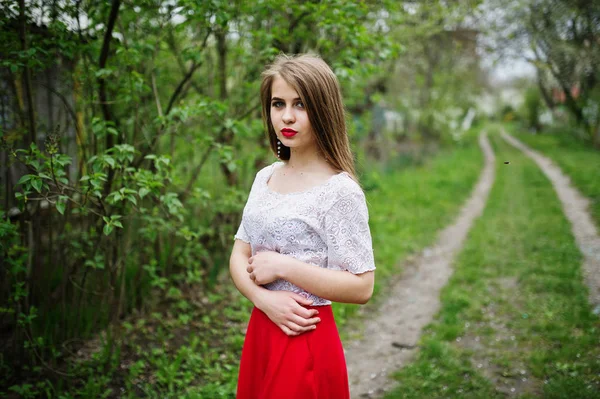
(284, 308)
(266, 266)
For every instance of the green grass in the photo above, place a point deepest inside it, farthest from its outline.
(579, 161)
(516, 307)
(409, 205)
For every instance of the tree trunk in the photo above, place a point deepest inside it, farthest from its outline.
(114, 12)
(27, 75)
(227, 136)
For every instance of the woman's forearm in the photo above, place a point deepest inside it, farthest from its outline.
(334, 285)
(237, 269)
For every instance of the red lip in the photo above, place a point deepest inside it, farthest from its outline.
(288, 132)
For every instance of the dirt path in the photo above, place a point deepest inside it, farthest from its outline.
(394, 330)
(575, 207)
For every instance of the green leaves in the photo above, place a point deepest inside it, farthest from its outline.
(97, 262)
(26, 319)
(111, 222)
(226, 157)
(122, 194)
(25, 179)
(161, 163)
(173, 204)
(32, 181)
(101, 128)
(50, 175)
(122, 152)
(93, 183)
(61, 204)
(104, 73)
(143, 192)
(117, 157)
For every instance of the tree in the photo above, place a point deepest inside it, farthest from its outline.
(561, 39)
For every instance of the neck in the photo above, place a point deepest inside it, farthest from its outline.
(306, 160)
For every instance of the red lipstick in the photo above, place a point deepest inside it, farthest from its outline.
(287, 132)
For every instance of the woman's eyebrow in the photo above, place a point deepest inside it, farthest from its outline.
(280, 99)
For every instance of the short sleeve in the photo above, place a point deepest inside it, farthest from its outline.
(241, 233)
(349, 243)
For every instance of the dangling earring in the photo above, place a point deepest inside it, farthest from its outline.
(278, 149)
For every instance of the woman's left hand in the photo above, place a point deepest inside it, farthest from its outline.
(265, 266)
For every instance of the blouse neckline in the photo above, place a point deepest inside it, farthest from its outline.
(325, 183)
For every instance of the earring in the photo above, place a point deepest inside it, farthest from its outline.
(278, 149)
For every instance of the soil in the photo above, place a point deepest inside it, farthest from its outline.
(514, 379)
(392, 332)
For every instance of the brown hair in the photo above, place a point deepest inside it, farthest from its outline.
(319, 90)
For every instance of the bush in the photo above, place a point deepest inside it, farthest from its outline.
(532, 108)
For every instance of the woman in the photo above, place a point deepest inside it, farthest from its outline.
(304, 240)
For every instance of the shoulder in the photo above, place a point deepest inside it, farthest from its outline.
(346, 185)
(345, 189)
(267, 170)
(261, 176)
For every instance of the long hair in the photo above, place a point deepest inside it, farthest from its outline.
(319, 90)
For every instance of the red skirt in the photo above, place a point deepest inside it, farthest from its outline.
(274, 365)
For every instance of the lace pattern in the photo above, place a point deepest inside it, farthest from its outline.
(326, 226)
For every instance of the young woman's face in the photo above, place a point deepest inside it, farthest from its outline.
(289, 117)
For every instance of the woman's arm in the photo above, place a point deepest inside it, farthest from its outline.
(334, 285)
(240, 254)
(282, 307)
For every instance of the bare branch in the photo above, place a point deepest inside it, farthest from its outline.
(156, 97)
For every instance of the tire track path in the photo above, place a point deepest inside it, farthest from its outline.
(575, 206)
(392, 334)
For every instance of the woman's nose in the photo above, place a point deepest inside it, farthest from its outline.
(288, 115)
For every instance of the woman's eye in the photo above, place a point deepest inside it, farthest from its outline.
(279, 104)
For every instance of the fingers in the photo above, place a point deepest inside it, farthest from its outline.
(301, 324)
(304, 322)
(301, 300)
(290, 315)
(288, 331)
(293, 329)
(250, 269)
(301, 311)
(306, 313)
(296, 325)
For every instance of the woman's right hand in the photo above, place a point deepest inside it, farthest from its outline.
(285, 309)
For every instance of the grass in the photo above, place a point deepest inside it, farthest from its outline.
(579, 161)
(515, 320)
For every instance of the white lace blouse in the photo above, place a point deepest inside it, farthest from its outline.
(326, 225)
